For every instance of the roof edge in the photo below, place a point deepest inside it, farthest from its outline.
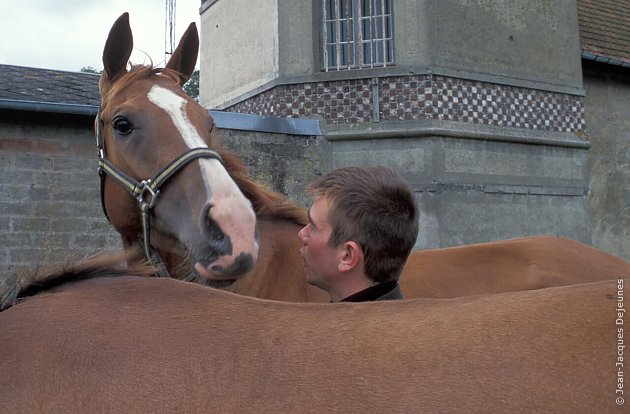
(49, 107)
(226, 120)
(586, 55)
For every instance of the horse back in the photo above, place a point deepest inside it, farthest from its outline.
(138, 345)
(506, 266)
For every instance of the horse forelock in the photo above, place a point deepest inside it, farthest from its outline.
(135, 74)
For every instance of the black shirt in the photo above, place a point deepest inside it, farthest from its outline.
(381, 291)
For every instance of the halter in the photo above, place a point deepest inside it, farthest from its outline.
(145, 191)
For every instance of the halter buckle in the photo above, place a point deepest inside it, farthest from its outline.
(146, 194)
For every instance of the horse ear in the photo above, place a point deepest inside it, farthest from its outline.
(118, 48)
(184, 58)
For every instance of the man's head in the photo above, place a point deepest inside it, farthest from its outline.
(369, 207)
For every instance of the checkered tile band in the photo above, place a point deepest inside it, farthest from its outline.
(422, 97)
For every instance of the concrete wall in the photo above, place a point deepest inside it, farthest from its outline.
(49, 192)
(607, 105)
(514, 42)
(297, 38)
(239, 40)
(480, 184)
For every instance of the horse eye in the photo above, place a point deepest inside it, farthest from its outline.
(123, 126)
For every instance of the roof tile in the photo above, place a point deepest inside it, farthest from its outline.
(47, 85)
(605, 27)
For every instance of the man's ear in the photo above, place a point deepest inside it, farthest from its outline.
(351, 256)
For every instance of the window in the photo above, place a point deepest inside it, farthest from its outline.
(357, 34)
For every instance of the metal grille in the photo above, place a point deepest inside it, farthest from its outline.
(357, 34)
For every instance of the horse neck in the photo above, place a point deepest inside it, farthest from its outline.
(268, 205)
(279, 273)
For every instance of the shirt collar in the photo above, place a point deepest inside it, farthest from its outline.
(372, 293)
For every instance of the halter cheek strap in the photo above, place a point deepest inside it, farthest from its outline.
(145, 191)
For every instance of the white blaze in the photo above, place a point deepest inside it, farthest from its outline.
(175, 107)
(232, 210)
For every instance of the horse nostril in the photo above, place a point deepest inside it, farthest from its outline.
(215, 236)
(212, 230)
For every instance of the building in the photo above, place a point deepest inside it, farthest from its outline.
(480, 105)
(605, 50)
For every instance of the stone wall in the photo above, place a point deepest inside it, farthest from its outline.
(285, 163)
(49, 192)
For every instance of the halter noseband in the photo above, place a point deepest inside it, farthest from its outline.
(145, 191)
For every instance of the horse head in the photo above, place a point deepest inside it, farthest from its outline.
(146, 123)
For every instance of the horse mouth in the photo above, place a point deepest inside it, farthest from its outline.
(218, 284)
(195, 277)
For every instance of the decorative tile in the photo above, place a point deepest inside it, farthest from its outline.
(422, 97)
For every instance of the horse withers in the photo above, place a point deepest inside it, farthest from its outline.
(136, 345)
(161, 181)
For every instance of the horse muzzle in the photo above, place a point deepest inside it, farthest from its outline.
(233, 244)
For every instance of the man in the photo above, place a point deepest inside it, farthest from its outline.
(362, 226)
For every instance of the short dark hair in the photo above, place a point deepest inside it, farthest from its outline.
(375, 207)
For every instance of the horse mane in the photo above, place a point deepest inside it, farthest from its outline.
(267, 204)
(98, 266)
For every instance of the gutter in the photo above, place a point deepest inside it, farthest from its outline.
(226, 120)
(50, 107)
(259, 123)
(604, 59)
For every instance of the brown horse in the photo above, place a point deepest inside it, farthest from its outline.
(506, 266)
(138, 119)
(137, 345)
(279, 274)
(160, 180)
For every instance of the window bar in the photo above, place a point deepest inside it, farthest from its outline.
(374, 35)
(348, 31)
(372, 22)
(384, 35)
(338, 31)
(358, 24)
(325, 35)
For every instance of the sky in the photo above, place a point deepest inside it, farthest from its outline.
(70, 34)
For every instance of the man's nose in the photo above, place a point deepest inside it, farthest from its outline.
(302, 235)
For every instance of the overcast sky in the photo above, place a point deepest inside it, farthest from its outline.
(71, 34)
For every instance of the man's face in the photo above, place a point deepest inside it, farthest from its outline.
(320, 259)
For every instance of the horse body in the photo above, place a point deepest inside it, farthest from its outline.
(132, 344)
(279, 273)
(506, 266)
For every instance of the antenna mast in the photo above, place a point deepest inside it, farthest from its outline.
(169, 30)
